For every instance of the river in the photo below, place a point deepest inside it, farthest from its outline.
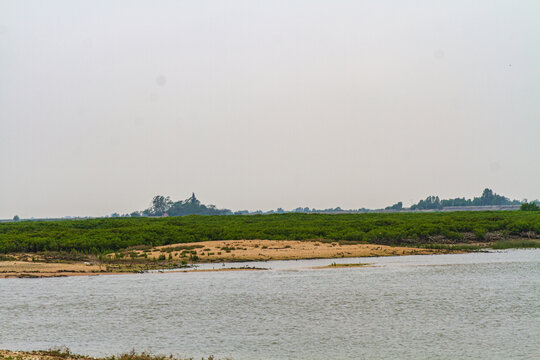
(475, 306)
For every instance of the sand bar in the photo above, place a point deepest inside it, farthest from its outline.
(262, 250)
(208, 251)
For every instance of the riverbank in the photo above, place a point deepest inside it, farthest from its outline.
(65, 354)
(184, 257)
(179, 256)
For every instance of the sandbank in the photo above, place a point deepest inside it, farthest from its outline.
(25, 265)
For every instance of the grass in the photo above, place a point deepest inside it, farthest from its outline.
(516, 244)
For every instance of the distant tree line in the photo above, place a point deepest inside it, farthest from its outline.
(164, 206)
(488, 198)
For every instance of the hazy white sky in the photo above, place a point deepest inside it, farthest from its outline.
(265, 104)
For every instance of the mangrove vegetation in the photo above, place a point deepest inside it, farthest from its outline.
(103, 235)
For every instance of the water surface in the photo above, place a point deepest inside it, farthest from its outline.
(475, 306)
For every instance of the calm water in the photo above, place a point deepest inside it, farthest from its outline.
(474, 306)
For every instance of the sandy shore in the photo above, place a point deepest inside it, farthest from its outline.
(64, 354)
(38, 355)
(40, 269)
(208, 251)
(262, 250)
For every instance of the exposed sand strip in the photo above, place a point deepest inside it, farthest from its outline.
(39, 269)
(208, 251)
(261, 250)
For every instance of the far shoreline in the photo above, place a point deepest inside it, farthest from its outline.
(174, 258)
(64, 353)
(184, 257)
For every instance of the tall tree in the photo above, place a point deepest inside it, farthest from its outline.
(160, 205)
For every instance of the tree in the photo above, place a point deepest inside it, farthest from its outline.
(487, 196)
(160, 205)
(490, 198)
(192, 206)
(431, 202)
(16, 218)
(529, 207)
(397, 206)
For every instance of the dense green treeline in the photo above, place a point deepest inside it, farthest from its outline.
(488, 198)
(109, 234)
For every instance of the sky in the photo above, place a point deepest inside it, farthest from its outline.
(265, 104)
